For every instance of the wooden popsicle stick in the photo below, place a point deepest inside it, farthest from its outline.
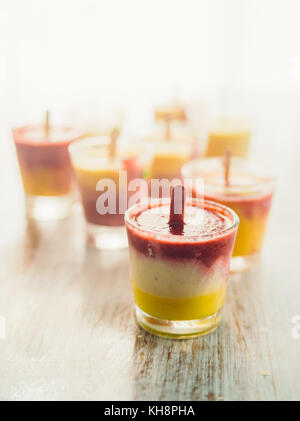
(47, 125)
(227, 161)
(168, 120)
(115, 133)
(176, 219)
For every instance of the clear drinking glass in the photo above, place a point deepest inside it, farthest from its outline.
(249, 194)
(98, 174)
(46, 170)
(228, 133)
(179, 280)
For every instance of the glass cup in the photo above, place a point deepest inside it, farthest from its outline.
(46, 170)
(168, 158)
(172, 143)
(99, 181)
(228, 134)
(179, 280)
(249, 195)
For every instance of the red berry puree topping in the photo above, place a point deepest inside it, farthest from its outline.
(197, 221)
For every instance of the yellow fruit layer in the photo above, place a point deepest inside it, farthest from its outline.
(190, 308)
(46, 182)
(88, 178)
(250, 234)
(237, 142)
(167, 165)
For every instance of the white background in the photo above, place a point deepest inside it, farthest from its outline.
(75, 56)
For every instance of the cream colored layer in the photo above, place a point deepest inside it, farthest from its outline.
(169, 278)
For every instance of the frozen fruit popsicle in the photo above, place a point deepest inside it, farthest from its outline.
(170, 148)
(94, 160)
(45, 169)
(179, 270)
(228, 134)
(248, 192)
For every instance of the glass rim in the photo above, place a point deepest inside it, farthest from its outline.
(217, 160)
(77, 151)
(19, 133)
(88, 141)
(142, 206)
(204, 166)
(123, 151)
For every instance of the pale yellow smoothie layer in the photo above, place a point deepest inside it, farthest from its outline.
(170, 278)
(89, 177)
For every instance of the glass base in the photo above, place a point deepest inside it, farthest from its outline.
(177, 329)
(48, 208)
(240, 264)
(106, 238)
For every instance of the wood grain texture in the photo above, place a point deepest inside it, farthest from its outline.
(71, 332)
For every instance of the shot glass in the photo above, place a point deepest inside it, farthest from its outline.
(228, 134)
(168, 157)
(179, 280)
(172, 144)
(249, 194)
(103, 189)
(45, 170)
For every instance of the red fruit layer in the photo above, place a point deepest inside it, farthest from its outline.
(50, 156)
(89, 200)
(248, 206)
(212, 243)
(54, 159)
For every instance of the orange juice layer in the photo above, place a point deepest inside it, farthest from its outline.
(179, 308)
(237, 142)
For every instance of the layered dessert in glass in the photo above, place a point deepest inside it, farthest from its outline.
(172, 145)
(179, 274)
(249, 194)
(95, 166)
(168, 157)
(230, 134)
(45, 169)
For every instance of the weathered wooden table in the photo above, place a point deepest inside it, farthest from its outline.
(71, 331)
